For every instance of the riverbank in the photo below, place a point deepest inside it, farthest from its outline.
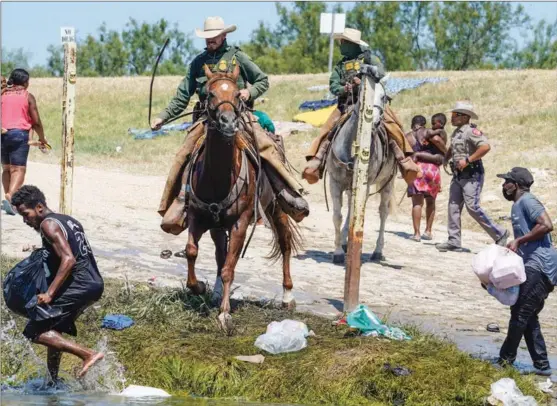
(175, 344)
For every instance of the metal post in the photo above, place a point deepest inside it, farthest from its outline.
(369, 116)
(331, 44)
(68, 132)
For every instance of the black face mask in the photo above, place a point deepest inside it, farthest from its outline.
(509, 193)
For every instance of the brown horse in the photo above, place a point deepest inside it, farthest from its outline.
(221, 188)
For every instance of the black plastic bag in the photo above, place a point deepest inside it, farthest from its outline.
(22, 285)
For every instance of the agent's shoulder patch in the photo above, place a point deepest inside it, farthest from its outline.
(477, 132)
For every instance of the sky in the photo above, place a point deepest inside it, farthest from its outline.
(34, 26)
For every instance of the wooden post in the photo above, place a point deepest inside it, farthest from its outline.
(369, 116)
(68, 113)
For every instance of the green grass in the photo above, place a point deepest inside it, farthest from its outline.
(176, 345)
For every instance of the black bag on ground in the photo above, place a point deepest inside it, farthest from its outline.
(24, 282)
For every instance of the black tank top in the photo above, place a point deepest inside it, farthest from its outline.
(81, 249)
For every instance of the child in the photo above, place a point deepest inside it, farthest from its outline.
(430, 150)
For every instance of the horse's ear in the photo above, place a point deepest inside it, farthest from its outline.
(236, 71)
(208, 72)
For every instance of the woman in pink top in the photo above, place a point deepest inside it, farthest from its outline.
(20, 114)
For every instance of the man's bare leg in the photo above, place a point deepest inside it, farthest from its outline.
(53, 358)
(54, 341)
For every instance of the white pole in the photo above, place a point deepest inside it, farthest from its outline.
(68, 131)
(331, 44)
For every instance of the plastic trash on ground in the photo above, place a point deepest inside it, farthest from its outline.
(508, 270)
(369, 324)
(136, 391)
(284, 336)
(508, 296)
(505, 392)
(482, 264)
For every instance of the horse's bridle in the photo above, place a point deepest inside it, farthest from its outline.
(213, 122)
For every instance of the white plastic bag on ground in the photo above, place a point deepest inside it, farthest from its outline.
(286, 336)
(506, 392)
(508, 296)
(482, 264)
(136, 391)
(508, 270)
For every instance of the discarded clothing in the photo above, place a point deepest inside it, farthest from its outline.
(148, 134)
(264, 121)
(117, 322)
(369, 324)
(285, 128)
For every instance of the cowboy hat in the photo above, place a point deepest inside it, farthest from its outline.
(351, 35)
(213, 27)
(464, 107)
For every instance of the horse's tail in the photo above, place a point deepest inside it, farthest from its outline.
(296, 239)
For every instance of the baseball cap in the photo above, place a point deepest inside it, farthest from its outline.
(518, 175)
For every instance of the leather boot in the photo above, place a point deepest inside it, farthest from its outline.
(312, 171)
(174, 220)
(291, 202)
(409, 169)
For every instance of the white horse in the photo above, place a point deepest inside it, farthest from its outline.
(381, 173)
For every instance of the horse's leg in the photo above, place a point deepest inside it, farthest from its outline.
(347, 220)
(237, 238)
(284, 235)
(383, 214)
(220, 240)
(336, 196)
(194, 235)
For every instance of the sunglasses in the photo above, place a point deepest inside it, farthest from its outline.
(459, 114)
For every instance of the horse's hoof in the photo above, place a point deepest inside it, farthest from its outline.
(199, 289)
(345, 248)
(225, 322)
(338, 259)
(376, 257)
(290, 306)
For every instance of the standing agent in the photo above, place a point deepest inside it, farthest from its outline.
(468, 146)
(20, 114)
(74, 284)
(532, 229)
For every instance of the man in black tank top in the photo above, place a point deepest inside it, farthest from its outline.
(74, 282)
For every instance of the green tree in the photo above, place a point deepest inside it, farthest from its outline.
(12, 59)
(470, 34)
(383, 29)
(541, 51)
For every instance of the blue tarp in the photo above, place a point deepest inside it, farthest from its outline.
(392, 86)
(150, 134)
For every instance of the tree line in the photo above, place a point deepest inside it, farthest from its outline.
(405, 35)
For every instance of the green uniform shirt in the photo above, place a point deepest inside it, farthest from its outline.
(465, 141)
(344, 71)
(195, 79)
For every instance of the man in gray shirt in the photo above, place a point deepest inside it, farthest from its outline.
(532, 241)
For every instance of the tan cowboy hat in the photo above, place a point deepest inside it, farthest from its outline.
(213, 27)
(464, 107)
(352, 35)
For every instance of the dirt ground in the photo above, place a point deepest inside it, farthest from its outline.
(416, 283)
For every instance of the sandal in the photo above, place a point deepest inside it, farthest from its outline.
(180, 254)
(427, 237)
(165, 254)
(414, 238)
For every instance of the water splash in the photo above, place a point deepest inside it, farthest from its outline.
(108, 374)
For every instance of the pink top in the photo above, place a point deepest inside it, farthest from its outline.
(15, 110)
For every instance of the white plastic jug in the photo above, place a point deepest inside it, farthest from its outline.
(482, 263)
(508, 271)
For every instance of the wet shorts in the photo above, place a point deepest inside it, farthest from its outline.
(15, 147)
